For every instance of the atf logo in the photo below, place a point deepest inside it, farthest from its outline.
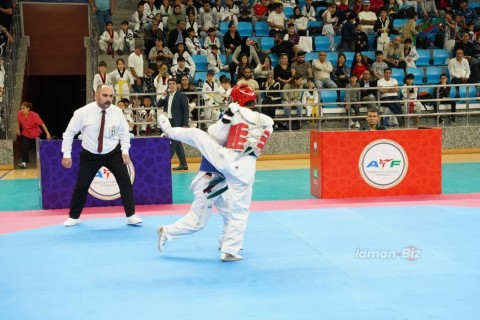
(104, 186)
(383, 164)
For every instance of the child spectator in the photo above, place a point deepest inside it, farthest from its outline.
(310, 98)
(161, 81)
(150, 10)
(101, 77)
(148, 80)
(110, 42)
(214, 61)
(191, 23)
(361, 39)
(180, 69)
(123, 80)
(210, 87)
(379, 66)
(146, 115)
(165, 10)
(245, 11)
(352, 100)
(410, 94)
(138, 20)
(211, 39)
(128, 42)
(193, 43)
(188, 58)
(231, 12)
(309, 11)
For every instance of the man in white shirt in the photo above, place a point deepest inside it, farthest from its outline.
(135, 64)
(388, 88)
(321, 72)
(105, 142)
(459, 70)
(276, 20)
(367, 18)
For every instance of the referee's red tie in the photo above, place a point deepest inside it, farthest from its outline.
(100, 135)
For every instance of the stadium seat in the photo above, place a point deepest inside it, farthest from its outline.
(311, 24)
(224, 26)
(288, 11)
(223, 58)
(398, 74)
(200, 76)
(433, 74)
(274, 59)
(261, 29)
(369, 54)
(424, 58)
(371, 41)
(245, 29)
(399, 23)
(310, 56)
(329, 97)
(332, 57)
(200, 62)
(322, 43)
(466, 92)
(440, 57)
(349, 56)
(266, 43)
(418, 74)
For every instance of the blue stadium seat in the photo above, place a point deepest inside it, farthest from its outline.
(318, 11)
(440, 57)
(223, 58)
(224, 27)
(328, 97)
(266, 43)
(322, 43)
(332, 57)
(223, 73)
(314, 24)
(200, 76)
(433, 74)
(405, 6)
(424, 58)
(398, 74)
(310, 56)
(288, 11)
(369, 54)
(274, 59)
(466, 92)
(349, 56)
(245, 29)
(261, 29)
(371, 41)
(399, 23)
(200, 62)
(418, 74)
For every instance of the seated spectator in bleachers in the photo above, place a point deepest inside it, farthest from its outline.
(270, 96)
(367, 18)
(468, 50)
(302, 67)
(138, 19)
(388, 88)
(165, 10)
(231, 41)
(467, 15)
(367, 94)
(208, 19)
(210, 87)
(262, 70)
(160, 51)
(409, 29)
(123, 104)
(211, 40)
(459, 70)
(383, 27)
(343, 6)
(341, 72)
(123, 80)
(192, 23)
(299, 21)
(361, 39)
(214, 61)
(309, 11)
(193, 43)
(247, 49)
(148, 80)
(349, 33)
(110, 42)
(293, 37)
(260, 12)
(151, 35)
(127, 36)
(394, 54)
(276, 20)
(428, 8)
(244, 63)
(359, 65)
(177, 36)
(147, 115)
(321, 71)
(161, 82)
(245, 11)
(101, 77)
(172, 21)
(281, 46)
(248, 79)
(310, 98)
(218, 9)
(230, 13)
(282, 71)
(292, 97)
(378, 66)
(410, 96)
(443, 92)
(180, 69)
(450, 29)
(5, 40)
(150, 10)
(181, 52)
(391, 7)
(352, 99)
(358, 6)
(188, 87)
(410, 54)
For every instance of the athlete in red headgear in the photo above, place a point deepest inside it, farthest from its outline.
(231, 147)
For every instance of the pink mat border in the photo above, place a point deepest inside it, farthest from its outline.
(16, 221)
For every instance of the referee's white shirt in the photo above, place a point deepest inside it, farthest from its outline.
(87, 120)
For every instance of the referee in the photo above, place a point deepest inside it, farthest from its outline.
(105, 142)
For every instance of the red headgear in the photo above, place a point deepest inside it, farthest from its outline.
(242, 94)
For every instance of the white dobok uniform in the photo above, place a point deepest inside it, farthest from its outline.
(232, 148)
(104, 41)
(128, 42)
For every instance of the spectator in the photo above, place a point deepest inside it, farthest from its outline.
(231, 40)
(127, 37)
(138, 19)
(373, 120)
(282, 71)
(135, 64)
(410, 54)
(292, 97)
(388, 88)
(245, 11)
(309, 11)
(218, 9)
(172, 21)
(394, 55)
(299, 21)
(391, 7)
(310, 98)
(247, 49)
(193, 43)
(329, 24)
(101, 77)
(352, 99)
(231, 12)
(110, 41)
(302, 67)
(468, 50)
(293, 37)
(181, 52)
(151, 35)
(379, 66)
(443, 92)
(272, 97)
(410, 96)
(459, 70)
(276, 20)
(383, 27)
(166, 9)
(161, 82)
(104, 11)
(367, 94)
(208, 19)
(248, 79)
(244, 63)
(361, 39)
(367, 18)
(123, 80)
(260, 12)
(359, 65)
(450, 32)
(211, 40)
(262, 70)
(214, 61)
(341, 72)
(281, 46)
(180, 69)
(467, 15)
(321, 71)
(428, 8)
(186, 86)
(409, 30)
(211, 111)
(192, 23)
(160, 51)
(349, 33)
(5, 39)
(177, 36)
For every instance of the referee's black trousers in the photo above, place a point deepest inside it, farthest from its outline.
(89, 165)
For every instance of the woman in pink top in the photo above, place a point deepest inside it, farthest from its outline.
(28, 128)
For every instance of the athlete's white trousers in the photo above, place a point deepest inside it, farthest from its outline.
(239, 172)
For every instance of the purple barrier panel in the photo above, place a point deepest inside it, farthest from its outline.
(151, 171)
